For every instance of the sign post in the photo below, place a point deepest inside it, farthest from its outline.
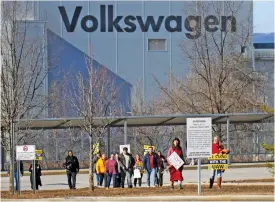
(122, 146)
(199, 141)
(34, 177)
(146, 147)
(24, 153)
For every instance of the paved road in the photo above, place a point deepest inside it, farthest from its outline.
(59, 181)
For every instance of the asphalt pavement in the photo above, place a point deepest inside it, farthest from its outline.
(54, 182)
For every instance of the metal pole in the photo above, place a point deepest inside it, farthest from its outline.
(108, 141)
(12, 156)
(34, 178)
(18, 177)
(199, 176)
(135, 140)
(125, 131)
(228, 136)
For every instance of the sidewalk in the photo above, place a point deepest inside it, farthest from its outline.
(160, 198)
(186, 167)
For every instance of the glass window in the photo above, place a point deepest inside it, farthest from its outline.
(157, 45)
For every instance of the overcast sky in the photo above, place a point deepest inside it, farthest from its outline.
(263, 16)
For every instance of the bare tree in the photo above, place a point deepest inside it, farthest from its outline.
(158, 136)
(220, 80)
(23, 71)
(90, 96)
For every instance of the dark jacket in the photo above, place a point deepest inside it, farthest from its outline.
(37, 170)
(15, 167)
(71, 164)
(37, 174)
(146, 161)
(162, 162)
(123, 162)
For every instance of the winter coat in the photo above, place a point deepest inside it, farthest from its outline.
(123, 162)
(100, 166)
(71, 164)
(146, 161)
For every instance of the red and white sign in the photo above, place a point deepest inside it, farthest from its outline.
(25, 152)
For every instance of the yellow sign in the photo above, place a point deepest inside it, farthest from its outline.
(38, 155)
(217, 166)
(146, 147)
(218, 156)
(96, 148)
(139, 165)
(218, 162)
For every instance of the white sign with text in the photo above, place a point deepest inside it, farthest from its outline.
(175, 160)
(122, 146)
(25, 152)
(199, 137)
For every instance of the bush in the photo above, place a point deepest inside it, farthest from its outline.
(269, 149)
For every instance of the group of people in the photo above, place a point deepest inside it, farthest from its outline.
(121, 167)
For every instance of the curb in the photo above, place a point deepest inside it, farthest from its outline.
(160, 198)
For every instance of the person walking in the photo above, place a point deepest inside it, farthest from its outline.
(111, 171)
(72, 168)
(100, 170)
(127, 164)
(150, 164)
(37, 175)
(175, 175)
(162, 163)
(118, 176)
(17, 173)
(217, 148)
(139, 166)
(98, 156)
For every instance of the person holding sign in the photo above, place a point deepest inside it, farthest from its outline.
(138, 171)
(217, 148)
(175, 167)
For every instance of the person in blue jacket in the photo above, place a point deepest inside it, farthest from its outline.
(150, 164)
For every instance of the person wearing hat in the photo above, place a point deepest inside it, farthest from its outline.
(127, 165)
(175, 175)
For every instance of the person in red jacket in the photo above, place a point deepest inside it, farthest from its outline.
(217, 148)
(175, 175)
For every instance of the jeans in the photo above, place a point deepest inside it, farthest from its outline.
(128, 176)
(101, 177)
(16, 177)
(97, 179)
(109, 179)
(213, 173)
(105, 179)
(71, 179)
(153, 172)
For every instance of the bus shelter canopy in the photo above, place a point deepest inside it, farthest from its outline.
(138, 121)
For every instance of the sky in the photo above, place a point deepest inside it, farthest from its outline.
(263, 16)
